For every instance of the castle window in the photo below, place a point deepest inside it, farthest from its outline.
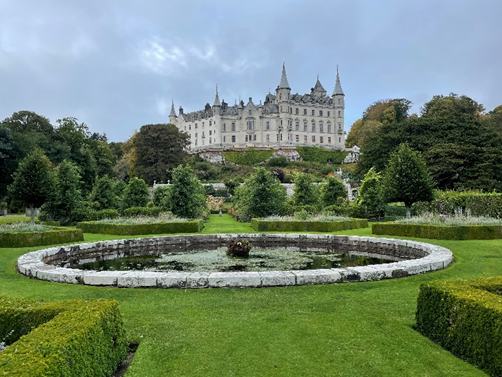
(297, 126)
(339, 101)
(189, 127)
(233, 126)
(210, 123)
(233, 138)
(281, 137)
(224, 139)
(305, 139)
(328, 113)
(246, 138)
(195, 142)
(313, 139)
(313, 112)
(297, 111)
(329, 128)
(250, 124)
(210, 141)
(210, 132)
(202, 124)
(297, 138)
(267, 126)
(250, 112)
(254, 137)
(321, 128)
(321, 140)
(291, 110)
(305, 126)
(304, 111)
(329, 140)
(268, 138)
(195, 125)
(313, 126)
(196, 134)
(320, 113)
(224, 127)
(277, 137)
(339, 112)
(339, 127)
(339, 139)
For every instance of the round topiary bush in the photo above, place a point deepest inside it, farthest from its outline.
(239, 248)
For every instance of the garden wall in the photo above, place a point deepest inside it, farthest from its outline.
(464, 317)
(439, 232)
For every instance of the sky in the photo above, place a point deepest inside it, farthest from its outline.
(116, 65)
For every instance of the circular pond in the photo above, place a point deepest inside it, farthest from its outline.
(401, 258)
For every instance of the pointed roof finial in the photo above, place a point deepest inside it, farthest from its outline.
(284, 79)
(338, 86)
(216, 98)
(173, 112)
(318, 86)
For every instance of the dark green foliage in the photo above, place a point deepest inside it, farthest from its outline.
(279, 173)
(331, 190)
(370, 195)
(320, 155)
(346, 208)
(34, 180)
(142, 211)
(187, 194)
(194, 226)
(248, 157)
(162, 198)
(307, 226)
(231, 185)
(439, 232)
(8, 158)
(54, 236)
(65, 203)
(260, 196)
(104, 193)
(221, 193)
(135, 194)
(305, 192)
(239, 248)
(102, 214)
(406, 178)
(159, 148)
(209, 190)
(69, 338)
(475, 203)
(464, 317)
(279, 162)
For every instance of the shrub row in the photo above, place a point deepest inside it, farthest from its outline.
(142, 211)
(464, 317)
(51, 237)
(439, 232)
(448, 202)
(70, 338)
(307, 226)
(102, 214)
(137, 229)
(321, 155)
(249, 157)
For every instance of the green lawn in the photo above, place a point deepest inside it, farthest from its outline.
(359, 329)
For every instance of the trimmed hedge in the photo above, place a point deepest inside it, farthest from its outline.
(51, 237)
(142, 211)
(194, 226)
(464, 317)
(439, 232)
(321, 155)
(248, 157)
(69, 338)
(307, 226)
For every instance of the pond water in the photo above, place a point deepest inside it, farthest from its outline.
(218, 261)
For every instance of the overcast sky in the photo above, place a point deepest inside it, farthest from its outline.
(117, 64)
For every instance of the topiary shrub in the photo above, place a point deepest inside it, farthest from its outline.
(239, 248)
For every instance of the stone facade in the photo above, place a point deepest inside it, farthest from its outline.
(283, 120)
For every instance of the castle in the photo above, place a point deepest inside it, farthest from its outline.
(284, 120)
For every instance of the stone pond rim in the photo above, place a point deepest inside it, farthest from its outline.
(42, 264)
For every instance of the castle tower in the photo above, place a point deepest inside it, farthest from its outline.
(172, 115)
(216, 115)
(339, 105)
(318, 90)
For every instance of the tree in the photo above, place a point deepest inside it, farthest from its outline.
(331, 190)
(261, 195)
(34, 181)
(186, 194)
(162, 198)
(8, 159)
(407, 179)
(158, 148)
(370, 194)
(135, 194)
(66, 202)
(305, 193)
(103, 194)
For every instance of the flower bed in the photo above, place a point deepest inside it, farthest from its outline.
(26, 234)
(443, 227)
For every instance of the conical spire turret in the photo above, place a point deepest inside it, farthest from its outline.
(216, 98)
(338, 87)
(284, 84)
(173, 112)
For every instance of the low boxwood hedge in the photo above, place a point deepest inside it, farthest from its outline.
(307, 226)
(70, 338)
(54, 236)
(439, 232)
(464, 317)
(136, 229)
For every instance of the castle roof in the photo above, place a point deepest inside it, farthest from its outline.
(173, 112)
(338, 86)
(318, 86)
(284, 84)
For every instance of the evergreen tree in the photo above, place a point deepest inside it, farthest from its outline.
(65, 203)
(370, 194)
(406, 178)
(34, 181)
(186, 194)
(260, 196)
(104, 195)
(305, 193)
(135, 194)
(331, 190)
